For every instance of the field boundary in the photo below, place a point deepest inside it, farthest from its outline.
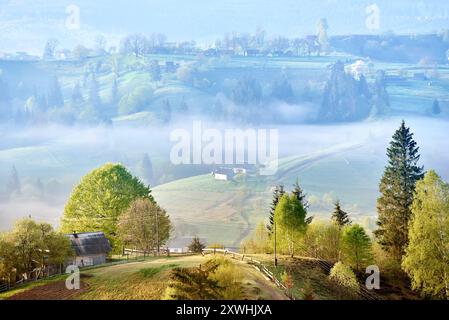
(257, 265)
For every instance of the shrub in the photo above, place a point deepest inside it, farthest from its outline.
(344, 276)
(229, 279)
(307, 291)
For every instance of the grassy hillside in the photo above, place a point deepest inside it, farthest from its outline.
(227, 211)
(140, 280)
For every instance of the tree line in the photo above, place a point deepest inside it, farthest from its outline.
(412, 234)
(109, 199)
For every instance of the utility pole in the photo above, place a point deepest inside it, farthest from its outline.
(275, 253)
(157, 231)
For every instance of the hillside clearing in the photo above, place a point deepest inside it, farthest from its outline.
(140, 280)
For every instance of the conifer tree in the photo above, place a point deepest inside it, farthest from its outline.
(196, 245)
(93, 94)
(340, 216)
(114, 91)
(299, 193)
(55, 98)
(397, 187)
(436, 107)
(145, 169)
(278, 192)
(77, 96)
(13, 183)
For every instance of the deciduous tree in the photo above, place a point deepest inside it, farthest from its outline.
(426, 258)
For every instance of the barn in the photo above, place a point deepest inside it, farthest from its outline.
(91, 248)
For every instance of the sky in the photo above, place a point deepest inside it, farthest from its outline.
(25, 25)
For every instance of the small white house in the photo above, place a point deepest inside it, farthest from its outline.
(221, 176)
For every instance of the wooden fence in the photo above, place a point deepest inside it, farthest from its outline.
(257, 265)
(326, 266)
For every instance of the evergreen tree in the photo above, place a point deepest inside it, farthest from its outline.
(283, 90)
(396, 188)
(55, 98)
(114, 92)
(42, 102)
(155, 70)
(344, 98)
(166, 111)
(93, 95)
(380, 99)
(184, 107)
(196, 245)
(339, 216)
(278, 192)
(5, 99)
(77, 96)
(145, 169)
(194, 283)
(49, 49)
(218, 111)
(13, 183)
(436, 107)
(299, 193)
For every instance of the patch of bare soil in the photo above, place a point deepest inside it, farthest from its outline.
(53, 291)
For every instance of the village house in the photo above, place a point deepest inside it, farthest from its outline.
(91, 248)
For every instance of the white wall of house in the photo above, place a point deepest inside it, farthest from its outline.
(178, 250)
(221, 177)
(89, 260)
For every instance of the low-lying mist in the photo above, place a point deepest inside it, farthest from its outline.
(50, 161)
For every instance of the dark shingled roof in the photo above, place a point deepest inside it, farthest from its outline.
(89, 243)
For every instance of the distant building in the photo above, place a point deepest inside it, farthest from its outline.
(239, 170)
(223, 174)
(91, 248)
(181, 244)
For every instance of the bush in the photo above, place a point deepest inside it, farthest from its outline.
(229, 279)
(344, 276)
(308, 293)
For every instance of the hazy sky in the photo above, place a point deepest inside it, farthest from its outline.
(26, 24)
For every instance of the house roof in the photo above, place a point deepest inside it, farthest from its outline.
(89, 243)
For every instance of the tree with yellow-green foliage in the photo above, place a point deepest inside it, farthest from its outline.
(31, 246)
(289, 217)
(100, 198)
(356, 247)
(427, 256)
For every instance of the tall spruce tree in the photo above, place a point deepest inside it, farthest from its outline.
(299, 193)
(278, 192)
(13, 183)
(397, 187)
(55, 98)
(339, 216)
